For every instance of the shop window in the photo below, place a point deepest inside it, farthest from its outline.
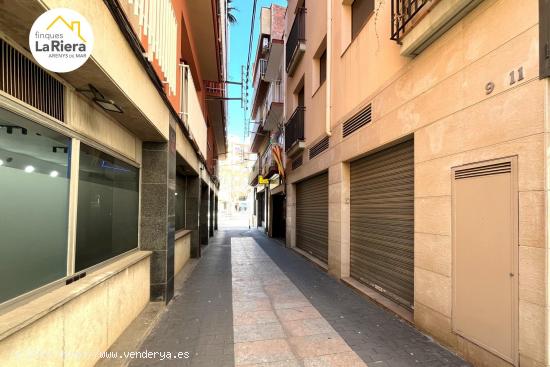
(108, 208)
(34, 201)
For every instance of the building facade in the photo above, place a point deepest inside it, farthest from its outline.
(267, 115)
(108, 172)
(416, 143)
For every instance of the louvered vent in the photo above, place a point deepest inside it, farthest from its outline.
(358, 121)
(297, 162)
(492, 169)
(318, 148)
(26, 81)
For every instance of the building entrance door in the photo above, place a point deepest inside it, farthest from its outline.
(485, 247)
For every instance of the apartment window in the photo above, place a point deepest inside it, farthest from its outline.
(108, 208)
(181, 196)
(323, 68)
(301, 98)
(360, 12)
(34, 197)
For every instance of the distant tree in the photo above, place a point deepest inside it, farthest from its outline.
(230, 12)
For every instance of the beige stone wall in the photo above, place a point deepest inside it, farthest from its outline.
(439, 98)
(69, 336)
(316, 30)
(182, 252)
(197, 124)
(87, 119)
(186, 151)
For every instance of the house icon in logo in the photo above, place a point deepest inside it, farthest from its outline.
(73, 26)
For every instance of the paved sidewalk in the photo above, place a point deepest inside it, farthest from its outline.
(199, 320)
(376, 335)
(250, 302)
(274, 323)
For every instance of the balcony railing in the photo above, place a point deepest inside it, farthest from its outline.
(214, 88)
(296, 36)
(260, 71)
(273, 106)
(402, 13)
(269, 166)
(294, 128)
(253, 177)
(184, 93)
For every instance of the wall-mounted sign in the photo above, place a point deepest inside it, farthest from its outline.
(61, 40)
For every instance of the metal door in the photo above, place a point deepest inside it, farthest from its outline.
(382, 222)
(485, 249)
(312, 216)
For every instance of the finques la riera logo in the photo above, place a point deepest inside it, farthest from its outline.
(61, 40)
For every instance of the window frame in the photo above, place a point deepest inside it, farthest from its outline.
(359, 29)
(323, 70)
(23, 111)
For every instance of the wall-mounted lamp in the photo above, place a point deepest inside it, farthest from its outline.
(56, 148)
(100, 100)
(10, 128)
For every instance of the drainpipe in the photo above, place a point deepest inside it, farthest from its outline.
(328, 104)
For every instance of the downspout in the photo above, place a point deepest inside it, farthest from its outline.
(328, 103)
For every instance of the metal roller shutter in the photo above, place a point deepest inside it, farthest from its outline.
(382, 222)
(312, 216)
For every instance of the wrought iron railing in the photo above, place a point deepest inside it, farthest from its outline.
(294, 128)
(402, 13)
(297, 35)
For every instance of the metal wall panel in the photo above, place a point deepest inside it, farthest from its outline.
(382, 222)
(312, 216)
(485, 255)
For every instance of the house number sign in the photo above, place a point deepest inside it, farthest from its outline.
(515, 76)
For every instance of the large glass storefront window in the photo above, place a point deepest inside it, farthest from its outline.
(108, 208)
(34, 201)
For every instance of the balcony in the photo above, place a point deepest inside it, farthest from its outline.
(402, 13)
(415, 24)
(294, 133)
(274, 60)
(214, 88)
(254, 173)
(296, 41)
(259, 72)
(274, 105)
(269, 165)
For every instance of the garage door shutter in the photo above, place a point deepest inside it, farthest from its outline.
(312, 216)
(382, 222)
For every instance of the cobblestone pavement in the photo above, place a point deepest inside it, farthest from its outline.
(251, 302)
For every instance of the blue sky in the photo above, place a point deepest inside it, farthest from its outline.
(239, 35)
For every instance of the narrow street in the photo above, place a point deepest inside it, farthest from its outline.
(252, 302)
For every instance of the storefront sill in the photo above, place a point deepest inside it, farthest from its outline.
(28, 313)
(311, 258)
(380, 299)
